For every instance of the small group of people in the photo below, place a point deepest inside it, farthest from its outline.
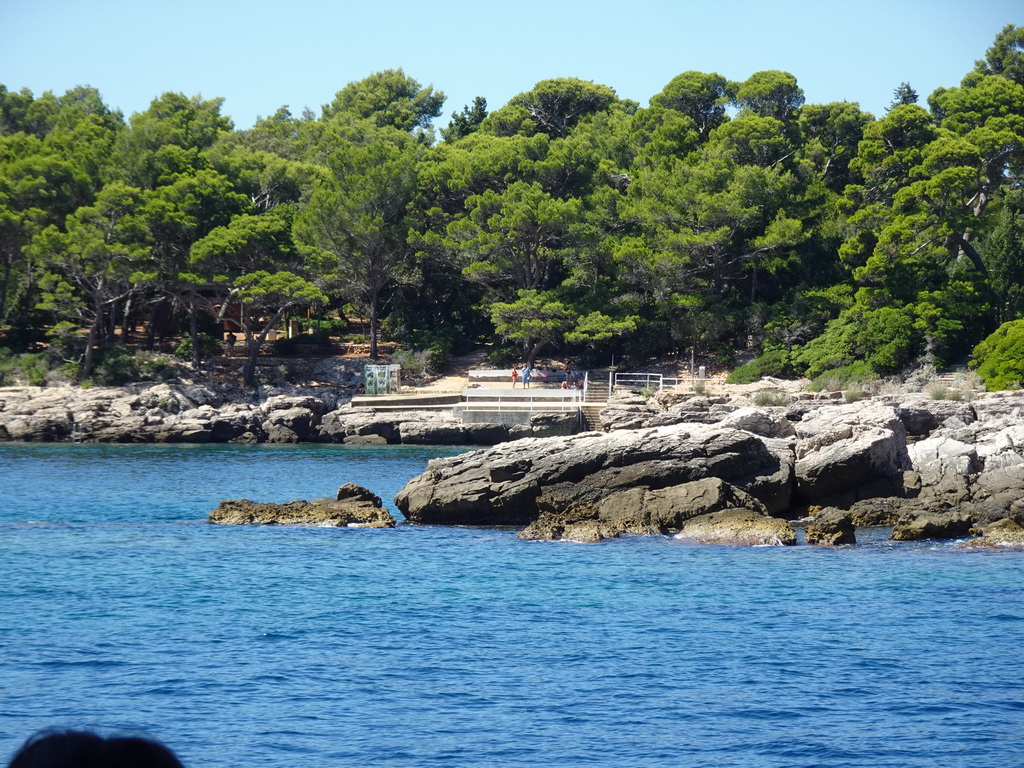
(527, 376)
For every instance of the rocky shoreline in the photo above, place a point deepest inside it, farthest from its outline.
(720, 470)
(174, 413)
(704, 468)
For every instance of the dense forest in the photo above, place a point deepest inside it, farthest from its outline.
(724, 217)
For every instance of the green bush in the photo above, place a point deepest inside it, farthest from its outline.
(999, 359)
(842, 378)
(335, 326)
(26, 369)
(882, 339)
(156, 367)
(773, 363)
(208, 346)
(769, 397)
(115, 365)
(413, 364)
(286, 347)
(853, 395)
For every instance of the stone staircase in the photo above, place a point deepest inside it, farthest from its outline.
(595, 400)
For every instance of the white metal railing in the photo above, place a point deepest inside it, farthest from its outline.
(522, 400)
(657, 382)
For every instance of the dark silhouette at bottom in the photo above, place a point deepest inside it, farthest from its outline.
(83, 749)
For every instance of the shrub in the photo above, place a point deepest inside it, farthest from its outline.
(883, 339)
(937, 390)
(156, 367)
(775, 362)
(28, 368)
(853, 395)
(335, 326)
(999, 359)
(115, 365)
(208, 346)
(769, 397)
(847, 376)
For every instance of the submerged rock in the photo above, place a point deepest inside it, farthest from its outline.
(635, 511)
(738, 527)
(831, 527)
(354, 506)
(1002, 533)
(954, 524)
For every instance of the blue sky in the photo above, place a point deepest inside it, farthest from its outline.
(259, 55)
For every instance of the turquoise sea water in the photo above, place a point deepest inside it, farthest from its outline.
(121, 608)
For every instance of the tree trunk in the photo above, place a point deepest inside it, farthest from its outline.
(111, 328)
(4, 283)
(969, 250)
(125, 321)
(374, 322)
(90, 343)
(193, 330)
(151, 330)
(532, 351)
(252, 350)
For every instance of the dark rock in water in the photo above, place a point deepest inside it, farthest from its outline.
(741, 527)
(354, 507)
(364, 440)
(954, 524)
(831, 527)
(593, 516)
(871, 513)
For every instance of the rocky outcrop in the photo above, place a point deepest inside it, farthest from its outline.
(831, 527)
(944, 467)
(635, 511)
(953, 524)
(354, 507)
(170, 413)
(1002, 533)
(514, 483)
(738, 527)
(846, 453)
(355, 425)
(921, 415)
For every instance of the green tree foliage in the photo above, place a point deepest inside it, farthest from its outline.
(260, 273)
(358, 219)
(1006, 56)
(389, 99)
(169, 138)
(999, 359)
(723, 215)
(99, 260)
(465, 122)
(770, 93)
(552, 107)
(1003, 252)
(903, 94)
(699, 96)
